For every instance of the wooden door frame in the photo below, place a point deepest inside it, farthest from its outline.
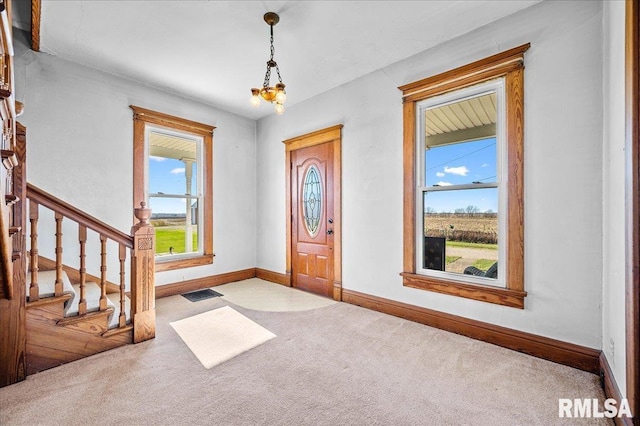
(632, 190)
(329, 135)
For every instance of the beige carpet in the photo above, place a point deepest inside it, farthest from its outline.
(261, 295)
(220, 334)
(337, 365)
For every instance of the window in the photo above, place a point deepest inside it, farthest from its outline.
(174, 181)
(173, 175)
(463, 181)
(459, 184)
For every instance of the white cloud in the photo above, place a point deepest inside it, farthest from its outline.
(442, 184)
(158, 159)
(485, 165)
(439, 174)
(177, 170)
(460, 171)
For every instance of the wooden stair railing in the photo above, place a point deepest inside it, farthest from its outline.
(12, 218)
(8, 114)
(141, 242)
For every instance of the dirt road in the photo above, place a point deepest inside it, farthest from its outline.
(468, 256)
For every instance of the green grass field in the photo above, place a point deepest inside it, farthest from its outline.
(484, 264)
(172, 237)
(472, 245)
(451, 259)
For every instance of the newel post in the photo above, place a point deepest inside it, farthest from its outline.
(143, 292)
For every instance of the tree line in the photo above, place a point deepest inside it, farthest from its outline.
(471, 211)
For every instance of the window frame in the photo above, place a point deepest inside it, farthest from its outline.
(510, 66)
(199, 178)
(496, 86)
(142, 118)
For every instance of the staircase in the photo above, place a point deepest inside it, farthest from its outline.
(54, 311)
(71, 314)
(56, 331)
(71, 310)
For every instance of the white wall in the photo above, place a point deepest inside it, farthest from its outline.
(77, 116)
(613, 264)
(563, 171)
(79, 148)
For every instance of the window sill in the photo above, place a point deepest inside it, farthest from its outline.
(499, 296)
(190, 262)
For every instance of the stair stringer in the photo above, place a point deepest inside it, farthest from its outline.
(53, 340)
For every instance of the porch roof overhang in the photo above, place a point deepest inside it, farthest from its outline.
(461, 121)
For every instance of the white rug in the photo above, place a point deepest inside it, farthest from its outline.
(220, 334)
(261, 295)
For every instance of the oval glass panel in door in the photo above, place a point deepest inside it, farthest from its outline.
(312, 201)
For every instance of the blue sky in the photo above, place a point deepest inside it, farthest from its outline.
(167, 175)
(457, 164)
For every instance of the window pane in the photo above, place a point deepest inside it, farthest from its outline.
(172, 165)
(176, 225)
(173, 170)
(460, 231)
(312, 201)
(461, 163)
(460, 142)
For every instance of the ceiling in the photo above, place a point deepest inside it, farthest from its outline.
(215, 51)
(168, 146)
(461, 121)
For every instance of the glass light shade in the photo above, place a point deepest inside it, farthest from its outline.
(279, 108)
(268, 94)
(281, 97)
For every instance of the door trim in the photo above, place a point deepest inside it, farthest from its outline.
(329, 135)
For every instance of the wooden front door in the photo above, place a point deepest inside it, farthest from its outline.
(312, 220)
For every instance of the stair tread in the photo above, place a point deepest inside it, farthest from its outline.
(47, 283)
(46, 286)
(115, 318)
(92, 296)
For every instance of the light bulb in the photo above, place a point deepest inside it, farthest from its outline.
(281, 97)
(279, 108)
(255, 100)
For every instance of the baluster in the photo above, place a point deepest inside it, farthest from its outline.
(82, 238)
(103, 272)
(122, 320)
(34, 290)
(58, 286)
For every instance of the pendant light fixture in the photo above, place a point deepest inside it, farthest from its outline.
(274, 94)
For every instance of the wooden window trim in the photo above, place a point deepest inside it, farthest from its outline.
(510, 65)
(142, 116)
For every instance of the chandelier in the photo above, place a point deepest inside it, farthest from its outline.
(274, 94)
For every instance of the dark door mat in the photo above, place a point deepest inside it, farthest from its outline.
(196, 296)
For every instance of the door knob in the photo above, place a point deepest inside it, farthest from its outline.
(329, 231)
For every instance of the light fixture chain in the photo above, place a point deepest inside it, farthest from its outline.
(277, 93)
(271, 59)
(272, 48)
(267, 77)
